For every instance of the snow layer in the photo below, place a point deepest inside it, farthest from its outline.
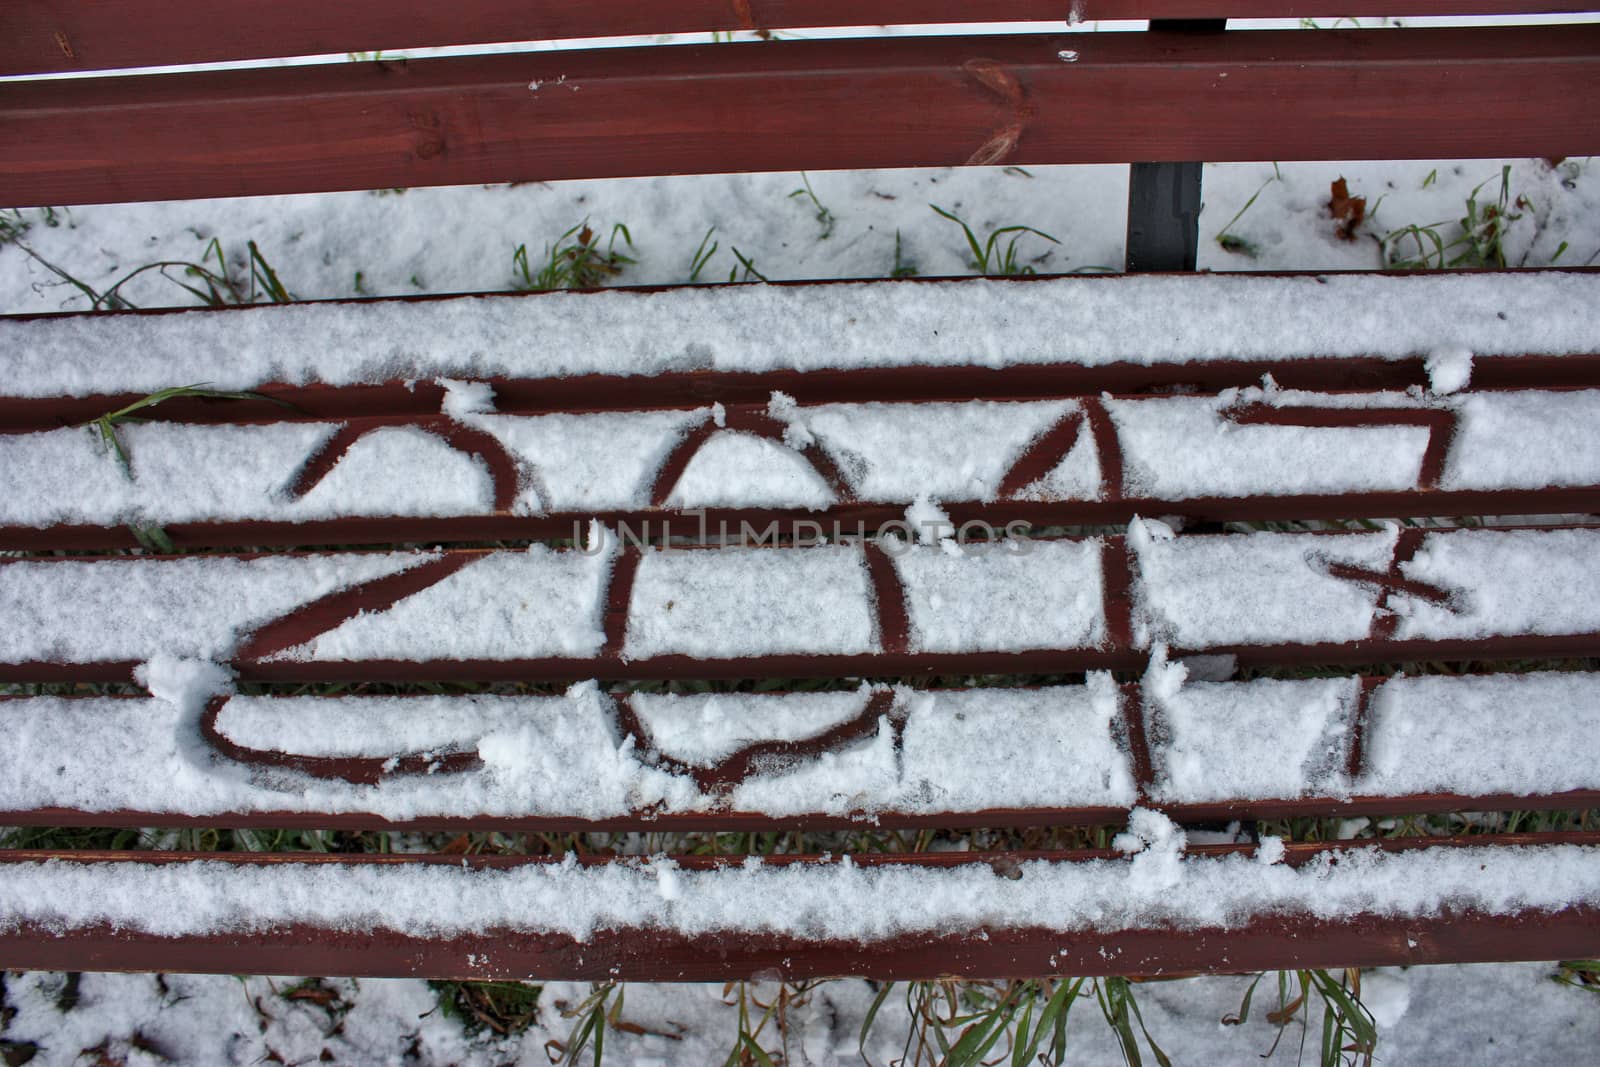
(207, 1020)
(1265, 588)
(948, 451)
(1196, 593)
(1524, 440)
(715, 603)
(1449, 368)
(1199, 592)
(1287, 224)
(1174, 448)
(1181, 447)
(506, 605)
(1500, 734)
(561, 757)
(1089, 321)
(740, 470)
(1506, 582)
(837, 900)
(1258, 740)
(135, 609)
(1467, 735)
(1006, 595)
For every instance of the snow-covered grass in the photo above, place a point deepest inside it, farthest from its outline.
(1421, 1016)
(879, 224)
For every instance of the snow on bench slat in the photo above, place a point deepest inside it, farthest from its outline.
(131, 609)
(1263, 589)
(567, 758)
(564, 757)
(1156, 888)
(1466, 736)
(1268, 739)
(1173, 449)
(755, 328)
(1485, 735)
(1192, 592)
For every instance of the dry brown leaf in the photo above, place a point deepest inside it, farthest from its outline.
(1349, 211)
(315, 994)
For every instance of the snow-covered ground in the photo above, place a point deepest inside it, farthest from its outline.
(1461, 1016)
(463, 238)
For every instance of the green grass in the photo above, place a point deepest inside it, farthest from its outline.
(1580, 974)
(825, 217)
(574, 260)
(213, 279)
(1349, 1035)
(1231, 242)
(963, 1024)
(1474, 241)
(105, 426)
(903, 268)
(708, 248)
(749, 267)
(702, 256)
(501, 1008)
(994, 256)
(13, 225)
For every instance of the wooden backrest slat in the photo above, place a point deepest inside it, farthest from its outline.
(38, 36)
(796, 105)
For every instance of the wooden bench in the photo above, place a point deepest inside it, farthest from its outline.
(822, 558)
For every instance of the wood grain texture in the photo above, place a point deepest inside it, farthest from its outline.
(70, 35)
(1224, 811)
(804, 105)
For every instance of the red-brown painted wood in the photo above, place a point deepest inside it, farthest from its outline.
(1266, 942)
(805, 104)
(869, 665)
(1269, 943)
(82, 35)
(852, 520)
(1373, 807)
(687, 389)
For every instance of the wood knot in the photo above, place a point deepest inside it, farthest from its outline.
(998, 81)
(430, 135)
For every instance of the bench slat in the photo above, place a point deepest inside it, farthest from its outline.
(64, 35)
(851, 467)
(888, 916)
(903, 758)
(834, 342)
(1016, 606)
(875, 378)
(804, 105)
